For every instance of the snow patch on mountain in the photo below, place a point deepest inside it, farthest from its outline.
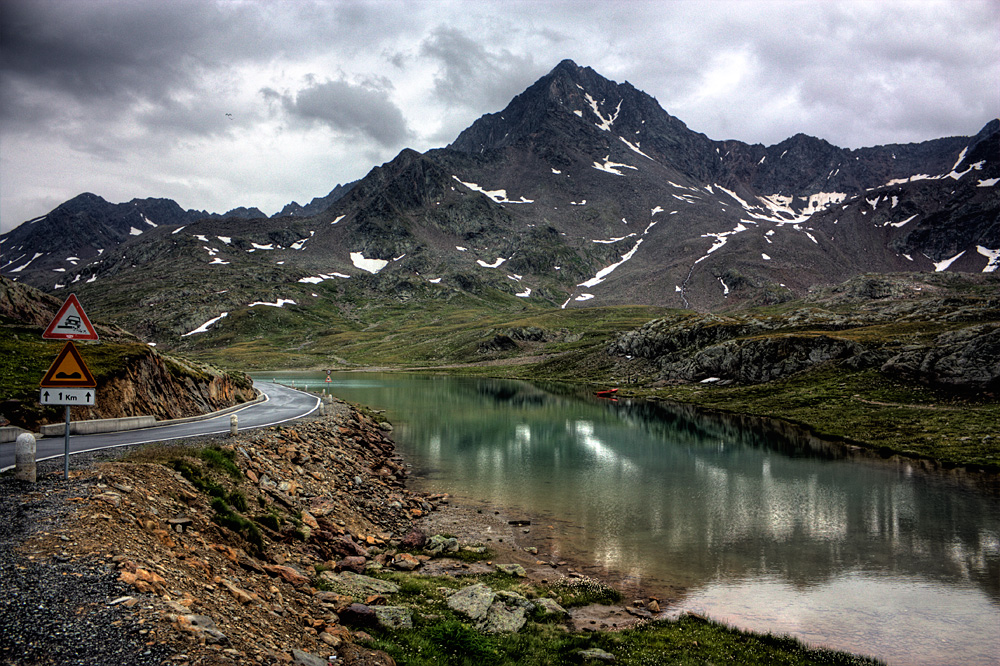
(613, 240)
(204, 327)
(612, 167)
(495, 264)
(720, 239)
(993, 257)
(898, 224)
(635, 147)
(953, 174)
(961, 158)
(132, 231)
(607, 122)
(300, 244)
(987, 182)
(281, 302)
(499, 196)
(607, 270)
(25, 265)
(370, 265)
(321, 277)
(941, 266)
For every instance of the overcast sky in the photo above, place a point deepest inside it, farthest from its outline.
(223, 104)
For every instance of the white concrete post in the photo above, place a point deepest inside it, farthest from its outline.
(24, 458)
(234, 423)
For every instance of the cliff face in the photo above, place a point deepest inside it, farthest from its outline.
(166, 388)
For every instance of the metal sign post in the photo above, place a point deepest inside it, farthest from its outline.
(68, 371)
(66, 448)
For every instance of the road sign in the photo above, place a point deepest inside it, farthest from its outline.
(68, 396)
(71, 323)
(68, 371)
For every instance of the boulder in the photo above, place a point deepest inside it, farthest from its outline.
(405, 562)
(596, 654)
(473, 601)
(413, 540)
(358, 615)
(301, 658)
(358, 585)
(354, 563)
(512, 570)
(438, 545)
(548, 607)
(394, 617)
(507, 613)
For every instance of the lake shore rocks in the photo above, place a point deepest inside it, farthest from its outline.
(263, 559)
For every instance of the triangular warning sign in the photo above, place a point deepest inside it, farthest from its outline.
(71, 323)
(68, 371)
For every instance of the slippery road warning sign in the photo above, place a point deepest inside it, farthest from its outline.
(68, 371)
(71, 323)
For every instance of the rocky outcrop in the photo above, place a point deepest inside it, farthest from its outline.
(745, 348)
(168, 388)
(966, 359)
(892, 322)
(756, 360)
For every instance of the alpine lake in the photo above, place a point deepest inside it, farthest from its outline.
(752, 523)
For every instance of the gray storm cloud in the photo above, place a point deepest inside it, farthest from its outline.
(364, 108)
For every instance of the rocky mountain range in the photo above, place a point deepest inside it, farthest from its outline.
(581, 192)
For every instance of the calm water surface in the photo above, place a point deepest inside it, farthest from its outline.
(763, 529)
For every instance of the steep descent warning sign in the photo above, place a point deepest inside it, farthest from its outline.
(71, 323)
(68, 371)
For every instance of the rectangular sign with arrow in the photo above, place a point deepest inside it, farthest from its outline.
(68, 396)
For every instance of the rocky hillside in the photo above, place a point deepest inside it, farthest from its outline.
(133, 378)
(935, 329)
(581, 192)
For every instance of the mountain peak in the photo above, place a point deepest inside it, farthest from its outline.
(566, 65)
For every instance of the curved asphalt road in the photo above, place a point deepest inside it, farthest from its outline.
(282, 404)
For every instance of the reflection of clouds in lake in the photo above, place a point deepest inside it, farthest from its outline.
(750, 502)
(583, 433)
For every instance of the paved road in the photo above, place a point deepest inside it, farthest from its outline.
(282, 404)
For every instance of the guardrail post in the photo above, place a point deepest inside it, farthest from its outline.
(24, 458)
(234, 423)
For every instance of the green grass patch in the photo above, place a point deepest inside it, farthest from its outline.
(867, 408)
(687, 641)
